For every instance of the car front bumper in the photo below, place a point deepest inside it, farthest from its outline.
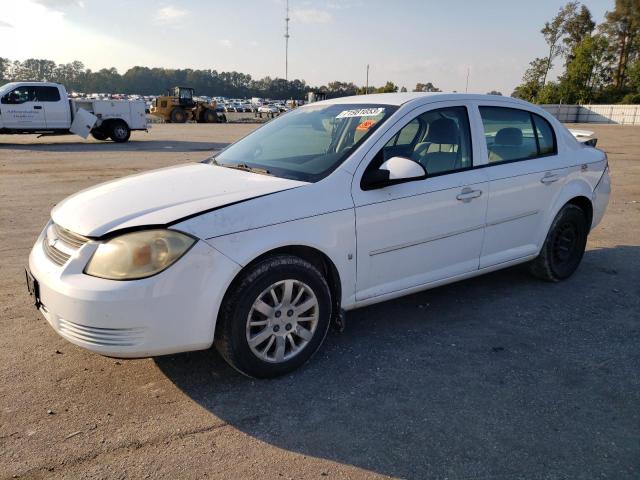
(173, 311)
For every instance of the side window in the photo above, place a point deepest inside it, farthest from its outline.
(513, 134)
(47, 94)
(444, 143)
(19, 95)
(406, 135)
(546, 138)
(440, 140)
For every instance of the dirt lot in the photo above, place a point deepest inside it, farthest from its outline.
(501, 376)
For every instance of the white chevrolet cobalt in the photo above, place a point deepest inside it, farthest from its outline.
(333, 206)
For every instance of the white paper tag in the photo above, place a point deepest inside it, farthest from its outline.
(361, 112)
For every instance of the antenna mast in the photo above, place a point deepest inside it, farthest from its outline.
(286, 44)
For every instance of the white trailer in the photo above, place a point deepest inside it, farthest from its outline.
(45, 108)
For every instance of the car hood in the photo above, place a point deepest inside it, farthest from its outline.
(161, 197)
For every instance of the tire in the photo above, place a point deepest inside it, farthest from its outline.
(209, 116)
(99, 134)
(278, 347)
(564, 246)
(178, 115)
(222, 118)
(120, 132)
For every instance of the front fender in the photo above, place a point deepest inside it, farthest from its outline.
(333, 234)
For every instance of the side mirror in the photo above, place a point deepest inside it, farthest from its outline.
(393, 171)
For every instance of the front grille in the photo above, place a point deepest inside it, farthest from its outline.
(55, 255)
(118, 337)
(59, 243)
(68, 237)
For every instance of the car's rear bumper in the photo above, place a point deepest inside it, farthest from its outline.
(174, 311)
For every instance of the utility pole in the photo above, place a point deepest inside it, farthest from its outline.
(466, 89)
(286, 44)
(366, 90)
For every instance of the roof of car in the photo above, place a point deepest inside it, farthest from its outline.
(417, 97)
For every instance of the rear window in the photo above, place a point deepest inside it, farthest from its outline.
(47, 94)
(512, 134)
(546, 138)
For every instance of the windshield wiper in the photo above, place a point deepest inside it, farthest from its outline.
(246, 168)
(240, 166)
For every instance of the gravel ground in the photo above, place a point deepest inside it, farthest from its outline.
(501, 376)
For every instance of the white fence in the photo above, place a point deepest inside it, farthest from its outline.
(619, 114)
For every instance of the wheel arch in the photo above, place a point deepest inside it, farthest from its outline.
(313, 255)
(585, 204)
(106, 123)
(576, 192)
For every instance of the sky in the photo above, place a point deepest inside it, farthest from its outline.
(403, 41)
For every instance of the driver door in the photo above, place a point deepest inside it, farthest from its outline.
(21, 110)
(422, 231)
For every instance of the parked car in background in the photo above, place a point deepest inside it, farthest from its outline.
(333, 206)
(268, 109)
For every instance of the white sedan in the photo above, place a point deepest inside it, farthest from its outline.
(336, 205)
(268, 109)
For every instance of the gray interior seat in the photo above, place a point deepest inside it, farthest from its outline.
(507, 145)
(443, 131)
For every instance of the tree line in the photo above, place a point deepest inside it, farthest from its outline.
(154, 81)
(600, 63)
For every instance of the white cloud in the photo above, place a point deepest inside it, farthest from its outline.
(311, 15)
(344, 4)
(225, 43)
(59, 4)
(47, 33)
(170, 15)
(5, 24)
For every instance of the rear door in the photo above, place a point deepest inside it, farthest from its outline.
(56, 107)
(22, 110)
(526, 173)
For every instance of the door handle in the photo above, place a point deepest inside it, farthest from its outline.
(37, 107)
(550, 178)
(467, 194)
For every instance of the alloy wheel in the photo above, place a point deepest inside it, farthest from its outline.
(282, 321)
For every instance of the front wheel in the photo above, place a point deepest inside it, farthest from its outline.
(275, 318)
(564, 246)
(120, 132)
(209, 116)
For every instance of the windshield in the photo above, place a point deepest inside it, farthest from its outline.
(307, 143)
(6, 87)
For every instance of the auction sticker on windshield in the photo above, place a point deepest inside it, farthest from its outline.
(361, 112)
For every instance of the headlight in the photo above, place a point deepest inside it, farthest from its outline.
(138, 254)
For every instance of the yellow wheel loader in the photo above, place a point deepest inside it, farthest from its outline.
(179, 106)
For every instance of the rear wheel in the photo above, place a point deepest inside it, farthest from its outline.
(564, 246)
(120, 132)
(178, 115)
(275, 318)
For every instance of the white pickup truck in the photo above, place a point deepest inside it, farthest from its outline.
(45, 108)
